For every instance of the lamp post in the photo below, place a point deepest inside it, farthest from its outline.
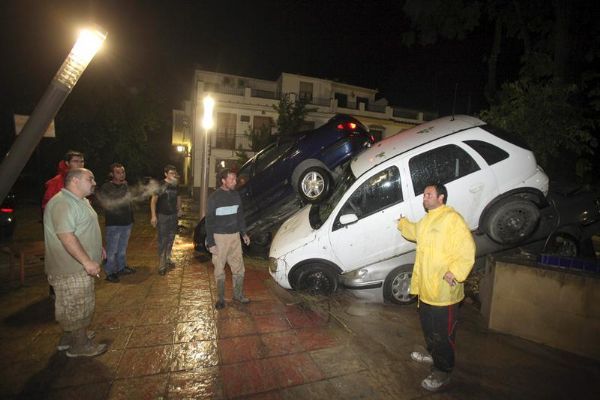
(207, 123)
(85, 48)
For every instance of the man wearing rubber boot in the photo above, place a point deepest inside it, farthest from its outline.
(445, 256)
(224, 225)
(73, 252)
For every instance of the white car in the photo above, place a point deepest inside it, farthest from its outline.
(493, 180)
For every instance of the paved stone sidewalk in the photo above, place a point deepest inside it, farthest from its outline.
(167, 341)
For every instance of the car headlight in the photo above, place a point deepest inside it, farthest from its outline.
(358, 274)
(272, 265)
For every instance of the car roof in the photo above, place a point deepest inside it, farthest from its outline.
(410, 139)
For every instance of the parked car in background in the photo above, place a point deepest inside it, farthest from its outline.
(294, 170)
(492, 178)
(7, 218)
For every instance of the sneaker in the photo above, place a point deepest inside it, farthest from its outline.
(421, 357)
(435, 381)
(170, 264)
(220, 304)
(127, 271)
(243, 300)
(162, 271)
(65, 340)
(114, 278)
(89, 350)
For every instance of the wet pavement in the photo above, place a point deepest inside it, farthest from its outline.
(166, 340)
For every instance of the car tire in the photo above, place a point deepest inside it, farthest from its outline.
(511, 220)
(313, 184)
(397, 284)
(562, 244)
(200, 237)
(316, 279)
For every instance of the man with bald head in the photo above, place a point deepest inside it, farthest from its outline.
(73, 243)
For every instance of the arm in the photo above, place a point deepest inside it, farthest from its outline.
(463, 251)
(76, 250)
(242, 223)
(407, 229)
(153, 201)
(209, 223)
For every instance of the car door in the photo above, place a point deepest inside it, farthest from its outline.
(469, 180)
(377, 203)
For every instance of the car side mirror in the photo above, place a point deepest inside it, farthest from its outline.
(348, 219)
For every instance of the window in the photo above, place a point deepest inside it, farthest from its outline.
(377, 193)
(306, 91)
(342, 99)
(225, 132)
(260, 123)
(363, 100)
(271, 155)
(244, 118)
(444, 164)
(490, 153)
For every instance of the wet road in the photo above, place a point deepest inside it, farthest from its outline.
(167, 341)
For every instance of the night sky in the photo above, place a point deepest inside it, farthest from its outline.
(160, 42)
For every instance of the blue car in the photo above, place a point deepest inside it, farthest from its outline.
(304, 165)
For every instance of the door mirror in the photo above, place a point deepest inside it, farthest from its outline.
(348, 219)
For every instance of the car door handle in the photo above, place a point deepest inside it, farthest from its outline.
(476, 188)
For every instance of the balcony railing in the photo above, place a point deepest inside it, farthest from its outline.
(265, 94)
(375, 108)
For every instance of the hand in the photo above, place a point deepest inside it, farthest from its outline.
(213, 250)
(153, 221)
(450, 278)
(246, 239)
(92, 268)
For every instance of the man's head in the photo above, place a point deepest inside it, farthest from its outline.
(434, 196)
(171, 175)
(80, 182)
(117, 173)
(74, 159)
(228, 179)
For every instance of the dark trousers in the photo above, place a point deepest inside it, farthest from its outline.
(167, 229)
(439, 328)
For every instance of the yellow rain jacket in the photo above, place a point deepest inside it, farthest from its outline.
(444, 243)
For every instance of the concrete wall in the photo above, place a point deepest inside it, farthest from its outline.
(551, 306)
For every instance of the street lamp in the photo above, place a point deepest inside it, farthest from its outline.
(88, 43)
(207, 124)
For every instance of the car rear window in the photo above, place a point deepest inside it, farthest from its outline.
(510, 137)
(490, 153)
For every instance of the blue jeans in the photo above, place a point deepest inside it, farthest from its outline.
(167, 229)
(117, 238)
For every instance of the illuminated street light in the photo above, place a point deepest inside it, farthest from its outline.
(180, 148)
(83, 51)
(207, 124)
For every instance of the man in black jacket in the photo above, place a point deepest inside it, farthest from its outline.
(224, 224)
(115, 198)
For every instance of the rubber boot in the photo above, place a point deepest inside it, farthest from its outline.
(82, 346)
(220, 294)
(238, 289)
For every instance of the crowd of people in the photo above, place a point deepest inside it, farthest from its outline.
(74, 253)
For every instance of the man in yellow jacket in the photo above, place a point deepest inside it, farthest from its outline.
(445, 256)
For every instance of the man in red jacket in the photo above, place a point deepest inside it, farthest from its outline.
(73, 159)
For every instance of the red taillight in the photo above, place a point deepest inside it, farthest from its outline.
(347, 126)
(7, 210)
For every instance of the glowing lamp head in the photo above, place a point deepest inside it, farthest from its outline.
(88, 43)
(207, 119)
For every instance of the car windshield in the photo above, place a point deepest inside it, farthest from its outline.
(320, 212)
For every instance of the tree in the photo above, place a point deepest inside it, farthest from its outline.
(291, 115)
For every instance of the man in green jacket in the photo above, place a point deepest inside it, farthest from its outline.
(445, 256)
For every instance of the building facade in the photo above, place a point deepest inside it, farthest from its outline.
(244, 103)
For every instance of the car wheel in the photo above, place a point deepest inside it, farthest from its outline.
(511, 220)
(562, 244)
(316, 279)
(313, 184)
(200, 237)
(397, 285)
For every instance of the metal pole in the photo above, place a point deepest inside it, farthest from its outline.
(206, 165)
(26, 142)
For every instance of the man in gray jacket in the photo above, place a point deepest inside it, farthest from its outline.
(224, 225)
